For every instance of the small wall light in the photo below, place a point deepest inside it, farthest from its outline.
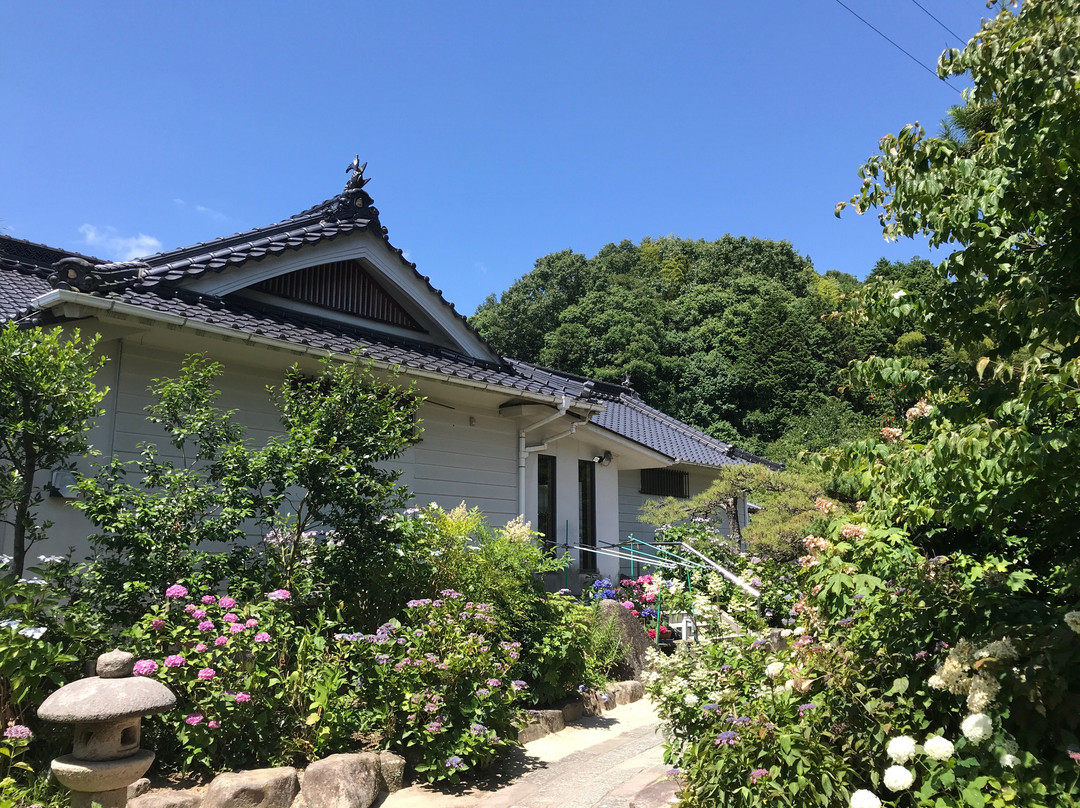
(603, 460)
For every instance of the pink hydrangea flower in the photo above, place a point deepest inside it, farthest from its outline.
(174, 661)
(199, 614)
(144, 667)
(279, 594)
(251, 622)
(221, 640)
(213, 723)
(236, 628)
(229, 617)
(226, 602)
(193, 719)
(208, 599)
(243, 697)
(191, 607)
(206, 674)
(206, 625)
(200, 648)
(628, 604)
(176, 591)
(157, 624)
(18, 731)
(262, 636)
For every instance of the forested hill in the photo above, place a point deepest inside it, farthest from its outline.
(727, 335)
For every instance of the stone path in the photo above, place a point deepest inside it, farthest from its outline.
(614, 760)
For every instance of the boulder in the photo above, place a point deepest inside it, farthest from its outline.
(341, 781)
(634, 639)
(138, 788)
(260, 788)
(167, 799)
(391, 772)
(627, 692)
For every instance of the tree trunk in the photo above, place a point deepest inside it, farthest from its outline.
(22, 509)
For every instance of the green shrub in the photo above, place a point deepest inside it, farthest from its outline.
(437, 686)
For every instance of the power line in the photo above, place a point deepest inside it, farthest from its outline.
(959, 38)
(895, 45)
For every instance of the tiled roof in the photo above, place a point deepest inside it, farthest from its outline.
(324, 222)
(627, 415)
(153, 284)
(24, 273)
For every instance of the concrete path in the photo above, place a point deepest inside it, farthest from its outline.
(610, 761)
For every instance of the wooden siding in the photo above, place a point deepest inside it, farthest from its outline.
(343, 286)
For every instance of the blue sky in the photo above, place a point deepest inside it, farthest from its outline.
(495, 132)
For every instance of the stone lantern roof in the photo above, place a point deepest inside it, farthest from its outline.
(111, 695)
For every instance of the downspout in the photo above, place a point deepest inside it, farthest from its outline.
(523, 453)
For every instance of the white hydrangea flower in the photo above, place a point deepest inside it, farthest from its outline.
(789, 685)
(774, 669)
(690, 699)
(864, 799)
(977, 727)
(1009, 761)
(1072, 620)
(898, 778)
(999, 649)
(939, 748)
(799, 631)
(901, 749)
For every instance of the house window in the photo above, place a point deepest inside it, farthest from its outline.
(665, 483)
(587, 513)
(545, 499)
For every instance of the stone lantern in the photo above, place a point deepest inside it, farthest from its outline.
(106, 711)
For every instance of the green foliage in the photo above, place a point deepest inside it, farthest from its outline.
(559, 651)
(727, 335)
(438, 685)
(240, 676)
(320, 477)
(787, 500)
(994, 462)
(47, 398)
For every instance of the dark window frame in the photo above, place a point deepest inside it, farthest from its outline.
(546, 518)
(665, 483)
(587, 513)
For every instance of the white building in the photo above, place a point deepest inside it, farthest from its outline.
(577, 457)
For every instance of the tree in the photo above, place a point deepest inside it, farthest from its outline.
(787, 500)
(995, 466)
(47, 400)
(316, 492)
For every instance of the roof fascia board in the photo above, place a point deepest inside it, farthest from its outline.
(626, 443)
(391, 270)
(118, 310)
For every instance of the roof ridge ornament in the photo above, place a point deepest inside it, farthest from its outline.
(80, 275)
(354, 202)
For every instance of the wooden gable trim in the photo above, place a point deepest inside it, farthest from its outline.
(343, 286)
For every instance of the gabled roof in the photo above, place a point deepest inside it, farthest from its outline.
(34, 278)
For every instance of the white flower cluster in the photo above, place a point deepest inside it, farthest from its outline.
(898, 778)
(982, 692)
(957, 676)
(864, 799)
(977, 727)
(901, 749)
(920, 410)
(939, 748)
(1072, 619)
(774, 669)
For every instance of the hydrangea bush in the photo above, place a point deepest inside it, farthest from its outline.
(437, 685)
(229, 665)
